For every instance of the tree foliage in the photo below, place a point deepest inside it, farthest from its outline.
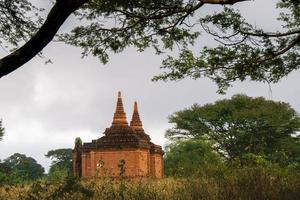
(22, 168)
(61, 160)
(242, 125)
(188, 157)
(245, 50)
(78, 142)
(18, 21)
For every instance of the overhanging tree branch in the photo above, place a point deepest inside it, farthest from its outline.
(222, 2)
(282, 51)
(161, 24)
(278, 34)
(56, 17)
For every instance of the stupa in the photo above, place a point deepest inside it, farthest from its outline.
(124, 150)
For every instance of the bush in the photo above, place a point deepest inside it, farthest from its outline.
(189, 157)
(58, 175)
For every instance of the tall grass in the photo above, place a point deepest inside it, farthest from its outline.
(257, 183)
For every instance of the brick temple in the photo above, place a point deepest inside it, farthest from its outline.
(123, 147)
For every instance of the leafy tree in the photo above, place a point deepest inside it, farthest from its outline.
(5, 172)
(1, 130)
(4, 168)
(245, 50)
(242, 125)
(23, 167)
(188, 157)
(61, 161)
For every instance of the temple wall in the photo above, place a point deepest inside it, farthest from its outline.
(136, 163)
(156, 165)
(74, 159)
(86, 164)
(144, 162)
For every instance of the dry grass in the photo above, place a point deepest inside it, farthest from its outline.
(243, 184)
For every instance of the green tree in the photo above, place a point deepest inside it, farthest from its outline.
(242, 125)
(5, 173)
(61, 161)
(24, 168)
(245, 50)
(1, 130)
(188, 157)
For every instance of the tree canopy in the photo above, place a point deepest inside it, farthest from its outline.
(245, 50)
(61, 160)
(188, 157)
(23, 167)
(242, 125)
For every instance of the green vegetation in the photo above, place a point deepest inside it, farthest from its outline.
(241, 128)
(216, 184)
(19, 168)
(189, 157)
(244, 49)
(78, 142)
(61, 166)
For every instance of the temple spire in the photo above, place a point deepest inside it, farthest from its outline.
(119, 116)
(136, 122)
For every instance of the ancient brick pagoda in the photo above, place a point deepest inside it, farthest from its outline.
(122, 146)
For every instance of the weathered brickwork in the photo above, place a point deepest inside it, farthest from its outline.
(123, 146)
(156, 165)
(105, 163)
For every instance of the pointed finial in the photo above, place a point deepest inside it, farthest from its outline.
(120, 115)
(136, 122)
(135, 107)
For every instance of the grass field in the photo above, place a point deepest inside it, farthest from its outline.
(250, 183)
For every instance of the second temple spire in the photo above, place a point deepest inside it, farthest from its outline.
(136, 122)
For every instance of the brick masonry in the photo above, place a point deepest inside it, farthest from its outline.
(102, 157)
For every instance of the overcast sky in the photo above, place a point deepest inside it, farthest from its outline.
(45, 107)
